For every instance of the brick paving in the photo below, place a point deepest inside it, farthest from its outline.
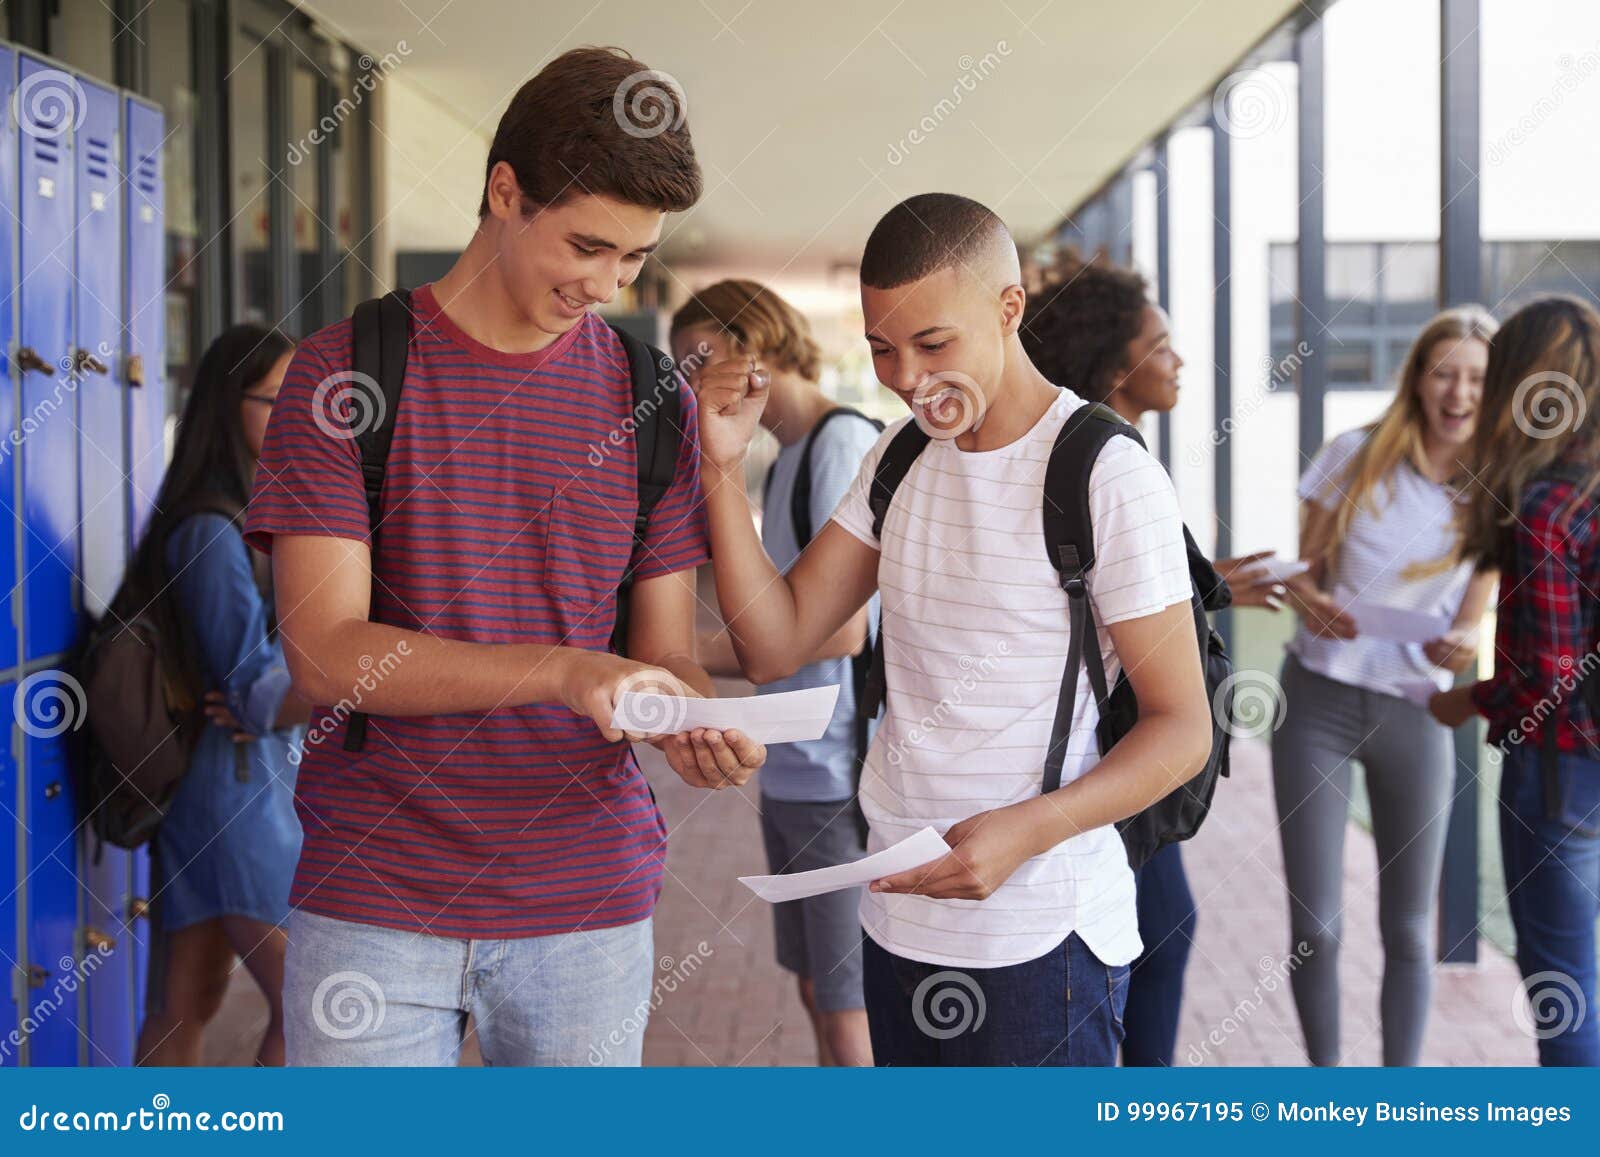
(730, 1005)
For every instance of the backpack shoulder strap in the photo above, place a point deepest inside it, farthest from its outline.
(892, 469)
(1069, 544)
(657, 423)
(380, 338)
(800, 497)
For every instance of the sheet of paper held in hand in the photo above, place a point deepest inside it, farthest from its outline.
(1401, 626)
(785, 717)
(923, 848)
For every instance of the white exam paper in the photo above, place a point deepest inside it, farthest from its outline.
(1401, 626)
(1279, 570)
(784, 717)
(923, 848)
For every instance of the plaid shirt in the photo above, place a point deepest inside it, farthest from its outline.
(1548, 634)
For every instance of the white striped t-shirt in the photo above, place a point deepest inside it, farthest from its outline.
(975, 640)
(1412, 522)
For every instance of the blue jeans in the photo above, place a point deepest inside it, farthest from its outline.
(358, 994)
(1167, 921)
(1550, 840)
(1065, 1008)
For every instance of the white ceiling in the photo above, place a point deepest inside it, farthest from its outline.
(802, 112)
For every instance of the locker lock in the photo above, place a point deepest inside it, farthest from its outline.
(85, 362)
(95, 940)
(29, 359)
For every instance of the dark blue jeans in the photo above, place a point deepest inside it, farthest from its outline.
(1155, 988)
(1550, 840)
(1065, 1008)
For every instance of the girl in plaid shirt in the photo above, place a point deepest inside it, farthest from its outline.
(1535, 513)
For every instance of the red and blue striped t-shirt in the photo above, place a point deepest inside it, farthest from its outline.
(508, 506)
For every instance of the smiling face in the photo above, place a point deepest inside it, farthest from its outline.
(1451, 388)
(559, 262)
(1150, 381)
(940, 345)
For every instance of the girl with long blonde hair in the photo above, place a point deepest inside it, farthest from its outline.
(1378, 524)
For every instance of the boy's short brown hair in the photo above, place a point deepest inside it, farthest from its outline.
(595, 120)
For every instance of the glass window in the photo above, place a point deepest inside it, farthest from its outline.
(1350, 362)
(168, 23)
(305, 202)
(80, 33)
(251, 203)
(1352, 284)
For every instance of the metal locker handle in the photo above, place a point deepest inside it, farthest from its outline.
(95, 940)
(84, 362)
(29, 359)
(135, 372)
(138, 908)
(37, 975)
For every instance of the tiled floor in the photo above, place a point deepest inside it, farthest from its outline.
(729, 1005)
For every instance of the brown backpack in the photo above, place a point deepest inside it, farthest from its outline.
(144, 697)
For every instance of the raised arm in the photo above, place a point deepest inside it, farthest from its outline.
(777, 622)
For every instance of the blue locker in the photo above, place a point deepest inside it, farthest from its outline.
(8, 385)
(145, 331)
(103, 520)
(47, 102)
(10, 831)
(52, 892)
(97, 351)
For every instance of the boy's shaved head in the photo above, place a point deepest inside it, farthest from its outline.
(934, 231)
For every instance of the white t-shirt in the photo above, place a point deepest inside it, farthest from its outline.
(1414, 522)
(975, 634)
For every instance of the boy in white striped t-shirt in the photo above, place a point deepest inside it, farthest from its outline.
(1013, 948)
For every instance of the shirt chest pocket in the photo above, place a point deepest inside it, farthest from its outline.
(586, 544)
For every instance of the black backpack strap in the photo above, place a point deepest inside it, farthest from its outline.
(1069, 544)
(800, 497)
(892, 469)
(657, 433)
(380, 339)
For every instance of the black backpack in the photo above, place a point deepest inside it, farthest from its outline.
(143, 697)
(380, 339)
(800, 516)
(1069, 544)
